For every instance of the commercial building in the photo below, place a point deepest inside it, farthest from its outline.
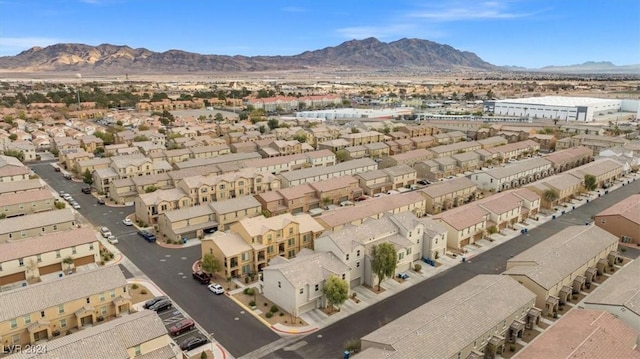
(582, 109)
(475, 319)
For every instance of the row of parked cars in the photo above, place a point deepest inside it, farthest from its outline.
(161, 304)
(67, 197)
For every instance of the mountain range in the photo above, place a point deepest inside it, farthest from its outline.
(371, 54)
(364, 54)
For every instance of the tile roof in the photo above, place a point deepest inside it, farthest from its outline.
(48, 242)
(582, 333)
(163, 195)
(10, 199)
(230, 244)
(552, 260)
(628, 208)
(187, 213)
(35, 220)
(463, 217)
(500, 202)
(308, 267)
(568, 155)
(560, 181)
(460, 316)
(110, 340)
(622, 289)
(259, 225)
(228, 158)
(446, 187)
(334, 183)
(337, 168)
(234, 204)
(413, 154)
(518, 167)
(596, 168)
(37, 297)
(19, 186)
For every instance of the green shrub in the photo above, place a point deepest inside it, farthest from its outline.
(417, 267)
(134, 286)
(268, 315)
(246, 280)
(252, 303)
(144, 291)
(352, 345)
(274, 309)
(282, 314)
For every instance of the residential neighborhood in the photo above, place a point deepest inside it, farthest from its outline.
(168, 235)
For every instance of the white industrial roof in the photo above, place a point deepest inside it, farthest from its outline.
(560, 101)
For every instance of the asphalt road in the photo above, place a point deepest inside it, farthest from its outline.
(328, 342)
(170, 269)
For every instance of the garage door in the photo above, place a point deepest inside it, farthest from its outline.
(307, 307)
(83, 260)
(354, 282)
(13, 278)
(50, 269)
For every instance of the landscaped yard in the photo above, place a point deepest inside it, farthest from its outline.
(507, 351)
(529, 334)
(139, 294)
(264, 305)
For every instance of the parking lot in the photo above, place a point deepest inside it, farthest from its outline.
(171, 317)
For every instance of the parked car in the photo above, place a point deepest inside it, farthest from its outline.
(62, 193)
(216, 288)
(202, 277)
(403, 275)
(153, 301)
(112, 239)
(424, 182)
(105, 232)
(161, 305)
(193, 343)
(57, 169)
(182, 326)
(75, 205)
(360, 198)
(100, 200)
(67, 176)
(127, 222)
(378, 195)
(149, 237)
(86, 190)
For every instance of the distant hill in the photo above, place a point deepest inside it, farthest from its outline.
(590, 67)
(364, 54)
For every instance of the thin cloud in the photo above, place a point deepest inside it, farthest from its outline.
(380, 32)
(489, 10)
(12, 45)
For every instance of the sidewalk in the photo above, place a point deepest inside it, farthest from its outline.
(318, 319)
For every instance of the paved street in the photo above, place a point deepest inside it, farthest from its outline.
(328, 342)
(170, 269)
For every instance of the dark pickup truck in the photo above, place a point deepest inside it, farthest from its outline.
(202, 277)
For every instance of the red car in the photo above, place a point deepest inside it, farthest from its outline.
(182, 326)
(360, 198)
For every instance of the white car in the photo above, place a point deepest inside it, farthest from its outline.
(127, 222)
(75, 205)
(216, 288)
(112, 239)
(105, 232)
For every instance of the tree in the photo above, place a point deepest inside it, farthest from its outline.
(262, 129)
(150, 189)
(166, 118)
(550, 196)
(210, 264)
(15, 153)
(143, 128)
(87, 178)
(273, 123)
(140, 138)
(218, 117)
(341, 155)
(590, 182)
(300, 138)
(336, 290)
(383, 261)
(355, 130)
(13, 137)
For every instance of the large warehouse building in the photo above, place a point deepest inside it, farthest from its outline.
(582, 109)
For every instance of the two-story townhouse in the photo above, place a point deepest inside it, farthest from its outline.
(454, 148)
(564, 185)
(400, 176)
(71, 159)
(26, 148)
(515, 150)
(297, 284)
(337, 190)
(91, 164)
(465, 225)
(278, 164)
(238, 158)
(65, 143)
(408, 158)
(376, 150)
(300, 198)
(547, 142)
(282, 235)
(334, 145)
(504, 209)
(513, 175)
(361, 138)
(434, 243)
(447, 166)
(355, 152)
(563, 264)
(224, 186)
(468, 161)
(493, 141)
(233, 210)
(445, 195)
(37, 224)
(464, 330)
(140, 334)
(419, 130)
(149, 205)
(315, 174)
(21, 203)
(21, 186)
(429, 169)
(374, 182)
(71, 302)
(422, 142)
(91, 143)
(605, 170)
(321, 158)
(209, 151)
(37, 256)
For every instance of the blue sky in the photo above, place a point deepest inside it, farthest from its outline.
(530, 33)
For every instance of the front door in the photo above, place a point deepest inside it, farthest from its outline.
(86, 320)
(41, 335)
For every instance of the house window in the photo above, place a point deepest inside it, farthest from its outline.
(347, 257)
(21, 262)
(291, 230)
(39, 258)
(270, 249)
(91, 246)
(408, 251)
(301, 290)
(358, 253)
(73, 250)
(317, 287)
(112, 293)
(27, 319)
(279, 284)
(42, 314)
(63, 323)
(103, 310)
(88, 300)
(137, 351)
(603, 221)
(292, 241)
(14, 323)
(343, 276)
(358, 264)
(57, 254)
(102, 297)
(400, 256)
(61, 309)
(222, 186)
